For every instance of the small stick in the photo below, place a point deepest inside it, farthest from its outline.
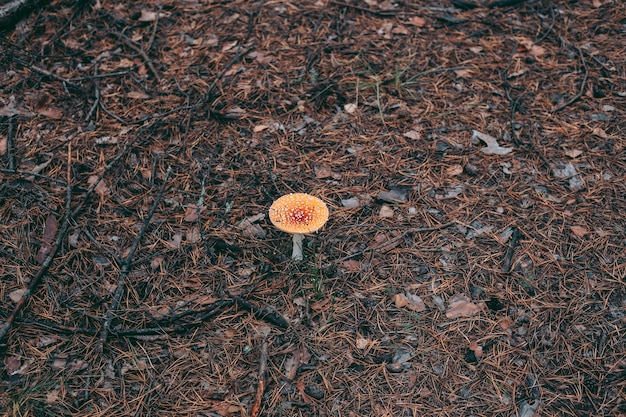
(582, 85)
(4, 329)
(267, 314)
(141, 52)
(96, 93)
(262, 380)
(11, 144)
(506, 265)
(390, 241)
(126, 265)
(52, 75)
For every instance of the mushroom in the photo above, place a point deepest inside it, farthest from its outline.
(298, 213)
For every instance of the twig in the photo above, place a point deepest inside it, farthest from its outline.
(382, 13)
(260, 390)
(267, 314)
(506, 265)
(11, 144)
(52, 75)
(34, 282)
(94, 106)
(390, 241)
(126, 265)
(154, 29)
(582, 85)
(141, 52)
(32, 174)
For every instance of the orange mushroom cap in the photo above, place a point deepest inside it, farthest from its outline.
(298, 213)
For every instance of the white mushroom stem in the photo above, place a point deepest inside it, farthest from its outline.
(297, 246)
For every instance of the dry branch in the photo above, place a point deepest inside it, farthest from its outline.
(12, 12)
(34, 282)
(256, 408)
(126, 265)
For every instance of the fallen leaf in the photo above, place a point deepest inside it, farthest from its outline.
(362, 343)
(350, 108)
(322, 171)
(415, 302)
(461, 306)
(454, 170)
(51, 112)
(260, 57)
(16, 295)
(147, 16)
(386, 211)
(401, 300)
(351, 203)
(536, 51)
(3, 145)
(12, 364)
(259, 128)
(191, 213)
(176, 240)
(49, 233)
(493, 148)
(505, 322)
(452, 191)
(412, 134)
(52, 396)
(101, 188)
(352, 265)
(417, 21)
(573, 153)
(137, 95)
(579, 231)
(463, 73)
(394, 195)
(228, 46)
(600, 133)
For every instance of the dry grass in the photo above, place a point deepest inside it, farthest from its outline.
(246, 101)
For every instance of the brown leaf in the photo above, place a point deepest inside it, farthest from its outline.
(49, 233)
(417, 21)
(101, 189)
(51, 112)
(191, 213)
(322, 171)
(12, 364)
(401, 300)
(352, 265)
(579, 231)
(16, 295)
(137, 95)
(415, 302)
(461, 306)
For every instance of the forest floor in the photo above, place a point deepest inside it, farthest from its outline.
(472, 155)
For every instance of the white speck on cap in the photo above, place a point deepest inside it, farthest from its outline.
(298, 213)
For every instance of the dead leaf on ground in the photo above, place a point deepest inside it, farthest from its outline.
(573, 153)
(493, 148)
(49, 233)
(454, 170)
(362, 343)
(579, 231)
(12, 364)
(322, 171)
(461, 306)
(417, 21)
(101, 189)
(191, 213)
